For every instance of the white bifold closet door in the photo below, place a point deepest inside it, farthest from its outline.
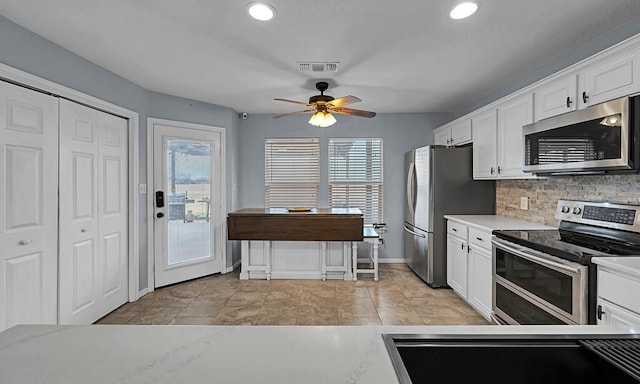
(28, 206)
(93, 213)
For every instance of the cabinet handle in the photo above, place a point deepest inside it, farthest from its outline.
(479, 238)
(499, 169)
(454, 230)
(468, 249)
(585, 97)
(493, 170)
(600, 312)
(461, 246)
(24, 242)
(569, 102)
(448, 141)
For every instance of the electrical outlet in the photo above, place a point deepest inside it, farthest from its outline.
(524, 203)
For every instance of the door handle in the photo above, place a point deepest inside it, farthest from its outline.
(410, 186)
(414, 233)
(159, 199)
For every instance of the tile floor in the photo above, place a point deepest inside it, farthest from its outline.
(398, 298)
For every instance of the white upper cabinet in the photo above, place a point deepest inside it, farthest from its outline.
(512, 115)
(603, 80)
(457, 133)
(485, 127)
(442, 136)
(556, 97)
(497, 139)
(610, 78)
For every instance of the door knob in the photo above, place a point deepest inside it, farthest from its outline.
(159, 215)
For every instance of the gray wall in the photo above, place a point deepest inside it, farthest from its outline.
(554, 65)
(24, 50)
(400, 132)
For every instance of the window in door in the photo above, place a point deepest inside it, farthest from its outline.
(292, 172)
(356, 176)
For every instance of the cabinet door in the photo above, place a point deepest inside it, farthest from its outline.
(457, 265)
(616, 316)
(461, 132)
(556, 97)
(607, 80)
(484, 145)
(442, 136)
(512, 115)
(479, 292)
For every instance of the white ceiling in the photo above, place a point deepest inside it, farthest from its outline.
(397, 56)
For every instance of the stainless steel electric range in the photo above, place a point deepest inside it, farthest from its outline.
(547, 277)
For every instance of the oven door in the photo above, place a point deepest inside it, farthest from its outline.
(531, 287)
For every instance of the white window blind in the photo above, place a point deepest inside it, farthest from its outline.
(292, 172)
(356, 177)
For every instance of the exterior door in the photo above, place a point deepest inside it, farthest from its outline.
(93, 213)
(187, 194)
(28, 206)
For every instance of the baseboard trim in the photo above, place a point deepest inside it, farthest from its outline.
(143, 292)
(233, 267)
(384, 261)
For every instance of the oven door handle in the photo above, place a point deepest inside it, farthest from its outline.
(536, 259)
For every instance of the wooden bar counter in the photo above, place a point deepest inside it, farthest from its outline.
(281, 243)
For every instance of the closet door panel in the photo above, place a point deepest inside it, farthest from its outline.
(28, 206)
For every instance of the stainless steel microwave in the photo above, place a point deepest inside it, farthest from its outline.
(599, 139)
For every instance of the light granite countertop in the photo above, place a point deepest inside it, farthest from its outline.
(496, 222)
(219, 354)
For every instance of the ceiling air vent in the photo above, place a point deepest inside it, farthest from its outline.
(326, 67)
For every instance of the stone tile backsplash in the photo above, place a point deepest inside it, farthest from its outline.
(544, 194)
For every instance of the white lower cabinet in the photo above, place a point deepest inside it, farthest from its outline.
(469, 265)
(617, 300)
(457, 264)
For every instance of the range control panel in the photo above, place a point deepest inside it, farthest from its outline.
(619, 216)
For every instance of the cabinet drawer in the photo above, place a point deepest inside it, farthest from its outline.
(619, 289)
(480, 238)
(457, 229)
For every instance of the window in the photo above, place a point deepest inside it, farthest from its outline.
(355, 176)
(292, 172)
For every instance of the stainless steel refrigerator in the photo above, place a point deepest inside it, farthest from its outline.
(439, 182)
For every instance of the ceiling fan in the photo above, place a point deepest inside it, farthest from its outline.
(323, 105)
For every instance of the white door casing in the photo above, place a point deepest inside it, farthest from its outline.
(165, 273)
(93, 213)
(29, 227)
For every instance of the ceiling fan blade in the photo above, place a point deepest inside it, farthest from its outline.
(294, 113)
(346, 100)
(293, 101)
(353, 112)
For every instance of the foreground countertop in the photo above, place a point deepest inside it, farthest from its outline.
(496, 222)
(221, 354)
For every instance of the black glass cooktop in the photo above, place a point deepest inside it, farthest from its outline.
(580, 247)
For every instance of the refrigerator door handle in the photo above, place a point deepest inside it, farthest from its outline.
(414, 233)
(412, 167)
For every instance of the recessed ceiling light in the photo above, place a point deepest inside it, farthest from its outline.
(261, 11)
(463, 10)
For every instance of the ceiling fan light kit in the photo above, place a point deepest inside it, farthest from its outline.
(322, 119)
(321, 107)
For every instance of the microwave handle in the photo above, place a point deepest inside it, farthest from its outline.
(536, 259)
